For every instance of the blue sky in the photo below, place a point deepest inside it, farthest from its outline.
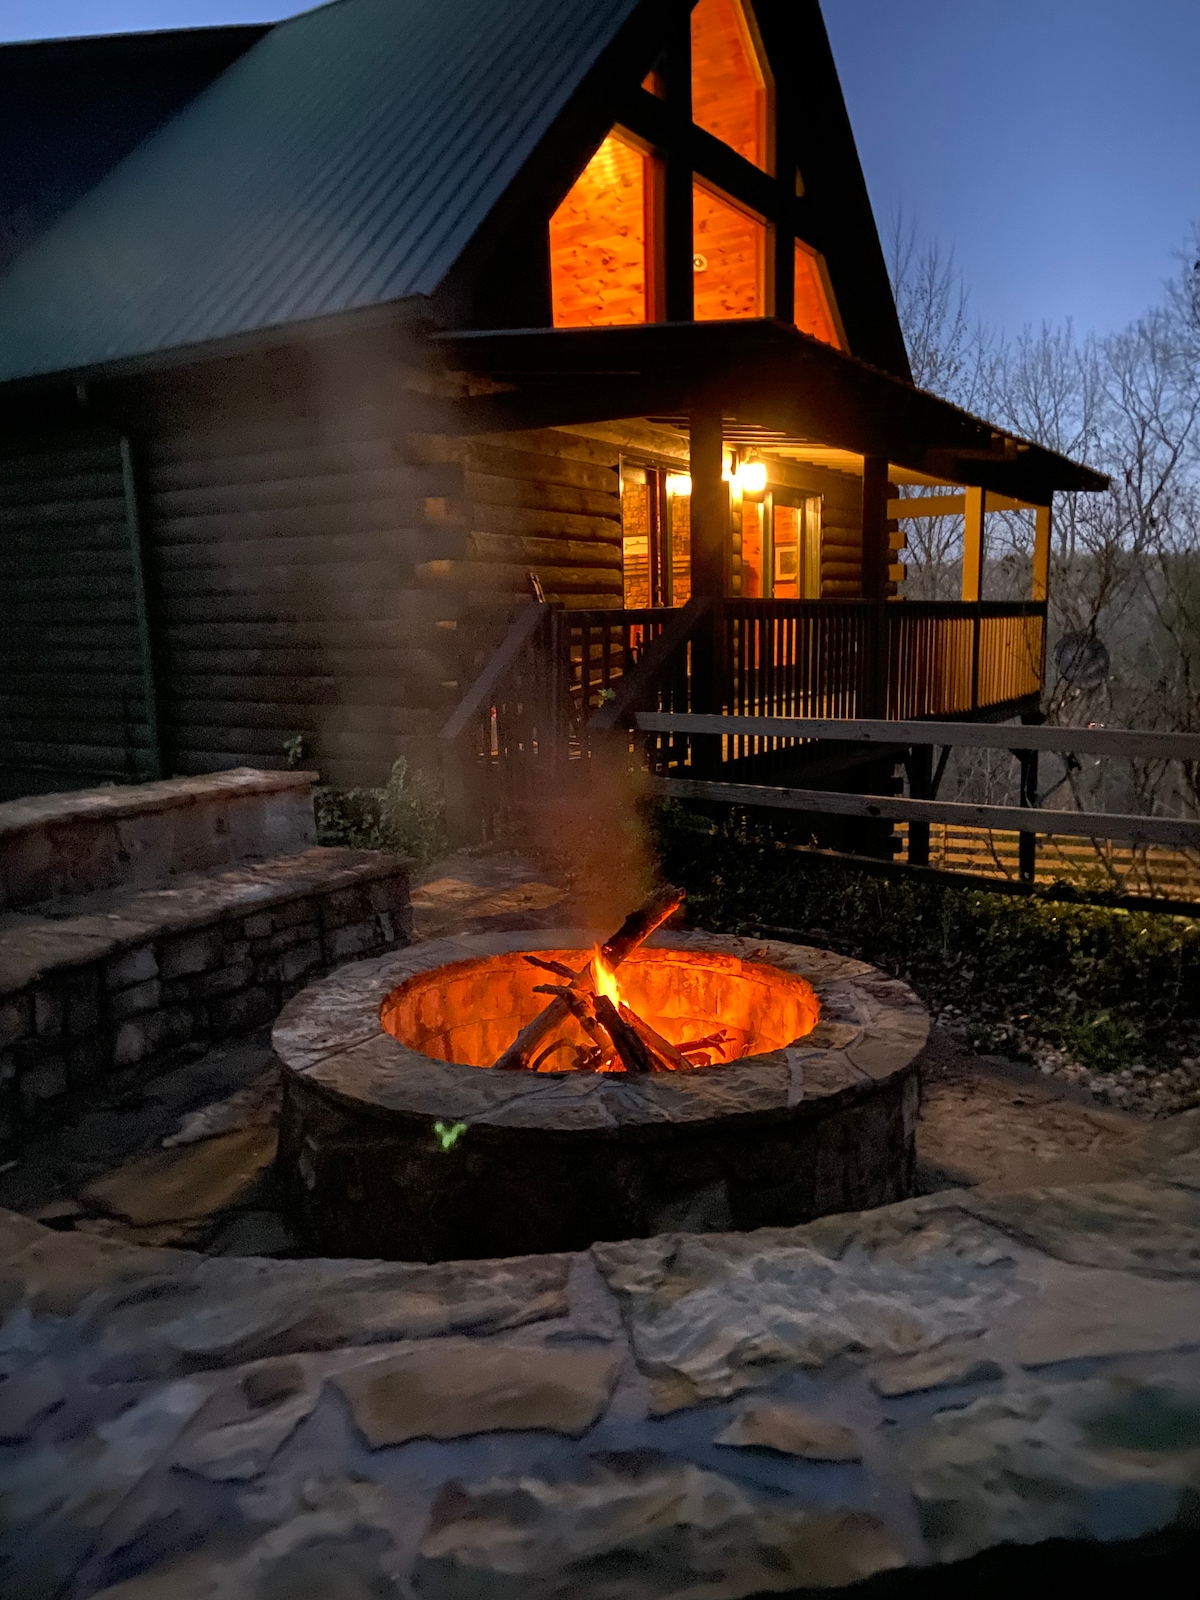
(1054, 144)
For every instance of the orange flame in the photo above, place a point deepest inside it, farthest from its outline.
(604, 978)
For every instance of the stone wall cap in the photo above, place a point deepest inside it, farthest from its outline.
(111, 803)
(31, 945)
(329, 1038)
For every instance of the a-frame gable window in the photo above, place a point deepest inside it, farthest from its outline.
(598, 240)
(729, 259)
(619, 253)
(814, 310)
(729, 80)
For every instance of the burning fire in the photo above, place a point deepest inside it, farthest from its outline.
(604, 978)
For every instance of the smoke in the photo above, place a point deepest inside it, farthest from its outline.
(591, 826)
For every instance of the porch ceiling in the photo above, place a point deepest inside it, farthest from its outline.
(777, 388)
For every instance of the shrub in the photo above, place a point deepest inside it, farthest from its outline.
(407, 815)
(1109, 986)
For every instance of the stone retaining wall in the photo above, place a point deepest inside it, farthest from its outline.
(209, 957)
(63, 845)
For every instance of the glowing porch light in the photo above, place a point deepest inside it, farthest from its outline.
(752, 475)
(679, 483)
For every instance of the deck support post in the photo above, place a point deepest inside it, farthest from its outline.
(1040, 588)
(973, 545)
(711, 540)
(919, 765)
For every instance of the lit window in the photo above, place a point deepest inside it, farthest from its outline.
(729, 89)
(729, 260)
(598, 241)
(814, 302)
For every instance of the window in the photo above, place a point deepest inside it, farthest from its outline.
(729, 86)
(729, 262)
(814, 312)
(598, 240)
(655, 535)
(796, 542)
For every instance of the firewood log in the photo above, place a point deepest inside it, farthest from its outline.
(635, 930)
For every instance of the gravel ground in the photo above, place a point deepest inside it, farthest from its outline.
(1159, 1089)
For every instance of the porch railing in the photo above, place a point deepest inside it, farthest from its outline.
(558, 669)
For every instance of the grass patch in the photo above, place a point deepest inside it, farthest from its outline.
(1113, 988)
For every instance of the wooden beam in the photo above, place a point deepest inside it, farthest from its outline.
(954, 505)
(710, 529)
(1086, 824)
(633, 685)
(981, 735)
(973, 544)
(1041, 554)
(528, 621)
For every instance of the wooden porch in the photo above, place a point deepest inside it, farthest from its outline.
(562, 678)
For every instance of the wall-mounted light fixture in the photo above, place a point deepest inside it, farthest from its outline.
(752, 475)
(679, 483)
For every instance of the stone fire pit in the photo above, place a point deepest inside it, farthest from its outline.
(389, 1149)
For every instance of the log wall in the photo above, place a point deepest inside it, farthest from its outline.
(72, 707)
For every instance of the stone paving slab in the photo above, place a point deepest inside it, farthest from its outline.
(877, 1393)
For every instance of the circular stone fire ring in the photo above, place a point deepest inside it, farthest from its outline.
(392, 1151)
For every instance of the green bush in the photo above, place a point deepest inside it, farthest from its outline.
(407, 815)
(1108, 986)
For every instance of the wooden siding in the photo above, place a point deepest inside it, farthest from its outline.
(545, 501)
(339, 580)
(286, 552)
(72, 707)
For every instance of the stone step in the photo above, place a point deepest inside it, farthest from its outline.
(135, 972)
(57, 846)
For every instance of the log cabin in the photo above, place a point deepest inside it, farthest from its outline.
(362, 327)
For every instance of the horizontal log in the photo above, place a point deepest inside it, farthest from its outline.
(826, 802)
(840, 589)
(360, 516)
(512, 461)
(69, 588)
(249, 717)
(403, 483)
(272, 464)
(60, 488)
(535, 552)
(34, 544)
(313, 606)
(543, 524)
(485, 489)
(60, 514)
(265, 745)
(514, 577)
(262, 433)
(28, 612)
(563, 442)
(315, 550)
(1136, 742)
(387, 688)
(410, 625)
(282, 583)
(59, 460)
(66, 756)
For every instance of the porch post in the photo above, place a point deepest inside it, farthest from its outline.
(973, 547)
(1041, 555)
(710, 503)
(875, 552)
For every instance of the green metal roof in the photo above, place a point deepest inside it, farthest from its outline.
(344, 162)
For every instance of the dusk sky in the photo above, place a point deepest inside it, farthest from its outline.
(1053, 144)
